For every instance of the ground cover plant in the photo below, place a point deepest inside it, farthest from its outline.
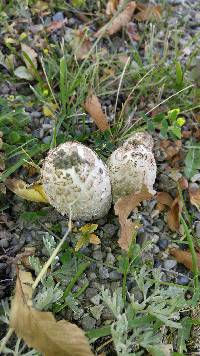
(99, 74)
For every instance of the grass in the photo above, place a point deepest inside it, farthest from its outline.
(133, 92)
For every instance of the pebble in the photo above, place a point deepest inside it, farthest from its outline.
(109, 230)
(92, 276)
(103, 273)
(91, 292)
(163, 244)
(115, 276)
(96, 299)
(35, 114)
(88, 322)
(4, 243)
(110, 259)
(169, 264)
(58, 16)
(184, 280)
(97, 255)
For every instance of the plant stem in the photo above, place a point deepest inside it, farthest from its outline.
(75, 278)
(193, 253)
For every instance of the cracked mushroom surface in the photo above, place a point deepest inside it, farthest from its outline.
(76, 180)
(132, 165)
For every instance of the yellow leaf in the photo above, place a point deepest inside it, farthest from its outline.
(48, 110)
(88, 228)
(82, 241)
(94, 239)
(31, 192)
(40, 330)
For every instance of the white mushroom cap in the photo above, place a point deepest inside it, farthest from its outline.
(76, 180)
(132, 165)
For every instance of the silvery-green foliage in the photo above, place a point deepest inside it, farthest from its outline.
(47, 296)
(114, 302)
(119, 331)
(73, 304)
(35, 264)
(49, 243)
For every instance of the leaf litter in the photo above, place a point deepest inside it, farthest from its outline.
(39, 329)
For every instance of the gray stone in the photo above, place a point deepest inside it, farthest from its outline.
(115, 276)
(96, 299)
(58, 16)
(91, 292)
(169, 264)
(110, 259)
(88, 322)
(109, 230)
(35, 114)
(4, 243)
(103, 272)
(97, 255)
(92, 276)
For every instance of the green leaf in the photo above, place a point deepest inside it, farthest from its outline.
(179, 74)
(23, 73)
(184, 334)
(172, 114)
(192, 160)
(176, 131)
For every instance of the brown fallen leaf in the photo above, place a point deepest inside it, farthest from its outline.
(40, 330)
(56, 25)
(123, 208)
(132, 32)
(173, 215)
(170, 148)
(149, 12)
(111, 7)
(184, 257)
(32, 192)
(119, 21)
(194, 194)
(93, 107)
(81, 44)
(164, 200)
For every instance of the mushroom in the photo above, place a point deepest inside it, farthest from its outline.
(76, 180)
(132, 165)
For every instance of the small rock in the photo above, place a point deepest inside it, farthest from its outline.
(115, 276)
(169, 264)
(88, 322)
(92, 276)
(97, 255)
(110, 259)
(163, 244)
(109, 230)
(96, 311)
(184, 280)
(35, 114)
(103, 272)
(58, 16)
(91, 292)
(4, 243)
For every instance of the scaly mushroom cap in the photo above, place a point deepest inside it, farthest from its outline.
(132, 165)
(76, 180)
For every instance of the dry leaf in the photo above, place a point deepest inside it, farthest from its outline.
(33, 192)
(149, 12)
(123, 208)
(40, 330)
(119, 21)
(132, 32)
(56, 25)
(184, 257)
(31, 54)
(111, 7)
(170, 148)
(93, 107)
(173, 215)
(164, 199)
(81, 44)
(194, 194)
